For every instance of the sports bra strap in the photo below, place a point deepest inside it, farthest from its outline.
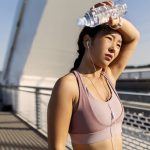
(104, 73)
(80, 83)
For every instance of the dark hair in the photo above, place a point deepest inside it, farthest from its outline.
(92, 32)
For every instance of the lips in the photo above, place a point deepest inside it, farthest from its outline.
(109, 56)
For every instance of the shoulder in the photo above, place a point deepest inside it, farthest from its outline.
(66, 84)
(67, 80)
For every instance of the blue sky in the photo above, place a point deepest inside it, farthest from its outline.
(138, 13)
(7, 14)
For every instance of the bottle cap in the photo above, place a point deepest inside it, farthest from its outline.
(81, 21)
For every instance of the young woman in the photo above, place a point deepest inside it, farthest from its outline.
(84, 102)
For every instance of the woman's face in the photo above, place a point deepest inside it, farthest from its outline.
(105, 47)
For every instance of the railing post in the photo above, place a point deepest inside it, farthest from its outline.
(37, 101)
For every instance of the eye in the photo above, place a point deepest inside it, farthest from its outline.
(109, 38)
(119, 45)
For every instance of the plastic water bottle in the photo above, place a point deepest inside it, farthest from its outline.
(101, 14)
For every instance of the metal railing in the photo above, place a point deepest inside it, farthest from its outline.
(30, 103)
(137, 74)
(136, 124)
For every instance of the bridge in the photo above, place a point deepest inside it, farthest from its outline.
(34, 60)
(24, 126)
(140, 79)
(15, 134)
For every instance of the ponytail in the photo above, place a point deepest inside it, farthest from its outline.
(78, 59)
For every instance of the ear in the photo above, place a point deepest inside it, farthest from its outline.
(87, 41)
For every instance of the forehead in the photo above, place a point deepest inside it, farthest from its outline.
(113, 33)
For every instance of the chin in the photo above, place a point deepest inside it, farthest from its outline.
(103, 65)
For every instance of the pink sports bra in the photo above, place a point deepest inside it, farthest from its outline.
(95, 120)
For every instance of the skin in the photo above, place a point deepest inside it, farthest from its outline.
(103, 43)
(121, 44)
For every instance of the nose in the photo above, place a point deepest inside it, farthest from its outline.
(111, 50)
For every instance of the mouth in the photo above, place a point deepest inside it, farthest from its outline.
(108, 57)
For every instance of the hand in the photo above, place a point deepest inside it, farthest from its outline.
(115, 23)
(105, 3)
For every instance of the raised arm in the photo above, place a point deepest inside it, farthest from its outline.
(130, 39)
(59, 114)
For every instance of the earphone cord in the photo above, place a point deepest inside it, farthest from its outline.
(91, 60)
(95, 71)
(108, 105)
(113, 145)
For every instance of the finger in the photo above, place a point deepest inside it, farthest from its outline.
(98, 5)
(108, 3)
(105, 3)
(113, 22)
(110, 21)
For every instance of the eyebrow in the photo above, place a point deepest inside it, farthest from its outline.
(120, 41)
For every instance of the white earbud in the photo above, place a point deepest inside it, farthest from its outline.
(88, 45)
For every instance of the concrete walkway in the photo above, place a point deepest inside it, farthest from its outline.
(16, 135)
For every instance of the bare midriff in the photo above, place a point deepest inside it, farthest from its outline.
(102, 145)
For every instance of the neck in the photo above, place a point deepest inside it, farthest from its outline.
(87, 68)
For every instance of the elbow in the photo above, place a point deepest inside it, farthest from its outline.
(138, 36)
(55, 145)
(135, 38)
